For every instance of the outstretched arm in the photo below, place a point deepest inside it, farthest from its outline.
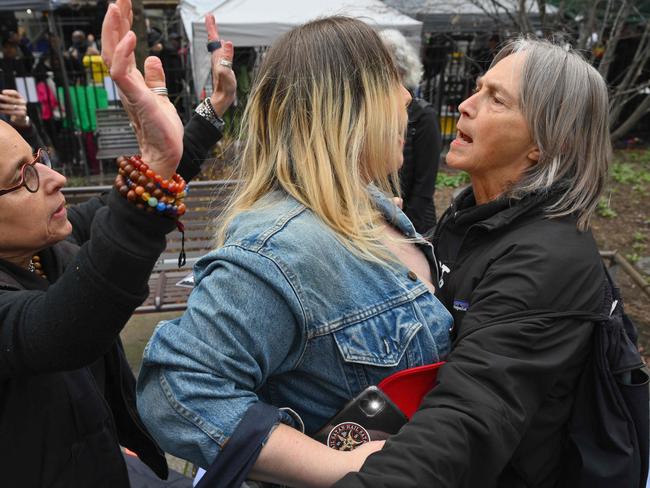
(199, 135)
(75, 320)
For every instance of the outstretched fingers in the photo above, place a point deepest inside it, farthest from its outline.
(110, 33)
(211, 27)
(154, 75)
(123, 70)
(126, 10)
(117, 23)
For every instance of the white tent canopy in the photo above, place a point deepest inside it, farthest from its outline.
(260, 22)
(485, 7)
(468, 15)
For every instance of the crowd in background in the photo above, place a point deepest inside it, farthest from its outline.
(84, 71)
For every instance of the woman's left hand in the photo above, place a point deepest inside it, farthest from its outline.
(224, 82)
(157, 126)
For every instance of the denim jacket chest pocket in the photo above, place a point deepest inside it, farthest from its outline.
(383, 344)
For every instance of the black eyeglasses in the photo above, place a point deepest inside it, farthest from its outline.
(29, 174)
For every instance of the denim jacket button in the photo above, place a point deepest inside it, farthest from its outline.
(412, 276)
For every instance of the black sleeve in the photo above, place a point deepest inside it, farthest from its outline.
(468, 427)
(78, 317)
(81, 217)
(426, 146)
(502, 367)
(199, 136)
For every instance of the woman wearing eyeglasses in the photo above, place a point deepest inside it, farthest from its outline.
(71, 277)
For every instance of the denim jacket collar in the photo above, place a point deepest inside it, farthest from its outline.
(392, 213)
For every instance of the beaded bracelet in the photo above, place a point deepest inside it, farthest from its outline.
(149, 191)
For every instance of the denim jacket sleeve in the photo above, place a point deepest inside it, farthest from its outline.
(200, 373)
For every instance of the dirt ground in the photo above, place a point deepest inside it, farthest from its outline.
(622, 223)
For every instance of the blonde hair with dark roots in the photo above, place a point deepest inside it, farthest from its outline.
(319, 125)
(564, 100)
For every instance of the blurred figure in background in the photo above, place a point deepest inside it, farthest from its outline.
(94, 65)
(79, 45)
(91, 42)
(49, 105)
(74, 56)
(168, 52)
(422, 144)
(11, 64)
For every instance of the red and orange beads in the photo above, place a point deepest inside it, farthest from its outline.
(149, 191)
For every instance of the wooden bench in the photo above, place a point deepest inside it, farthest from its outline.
(115, 135)
(205, 201)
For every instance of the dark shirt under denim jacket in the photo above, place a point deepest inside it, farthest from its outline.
(284, 315)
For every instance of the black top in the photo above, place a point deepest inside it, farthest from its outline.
(420, 169)
(61, 422)
(498, 415)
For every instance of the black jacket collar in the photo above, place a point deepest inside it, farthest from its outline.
(497, 213)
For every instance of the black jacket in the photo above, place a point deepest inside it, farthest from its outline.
(498, 414)
(421, 159)
(67, 395)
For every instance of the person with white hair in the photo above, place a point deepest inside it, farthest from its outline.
(521, 274)
(422, 144)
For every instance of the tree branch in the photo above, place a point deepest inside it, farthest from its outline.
(631, 76)
(495, 16)
(617, 30)
(522, 15)
(605, 21)
(541, 6)
(642, 109)
(587, 29)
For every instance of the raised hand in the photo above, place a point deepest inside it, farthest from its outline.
(224, 82)
(155, 121)
(13, 104)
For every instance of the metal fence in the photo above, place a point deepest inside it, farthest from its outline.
(451, 65)
(71, 121)
(81, 123)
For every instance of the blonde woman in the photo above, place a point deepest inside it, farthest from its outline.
(319, 286)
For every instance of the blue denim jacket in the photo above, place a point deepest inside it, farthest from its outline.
(284, 314)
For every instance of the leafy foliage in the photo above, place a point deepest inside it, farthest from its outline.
(452, 180)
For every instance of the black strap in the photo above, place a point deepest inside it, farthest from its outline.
(233, 464)
(182, 258)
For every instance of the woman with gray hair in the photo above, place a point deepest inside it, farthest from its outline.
(518, 267)
(422, 144)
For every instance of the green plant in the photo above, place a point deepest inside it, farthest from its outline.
(641, 156)
(633, 168)
(604, 210)
(639, 242)
(623, 173)
(452, 180)
(633, 257)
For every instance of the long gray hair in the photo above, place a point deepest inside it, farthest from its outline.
(565, 103)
